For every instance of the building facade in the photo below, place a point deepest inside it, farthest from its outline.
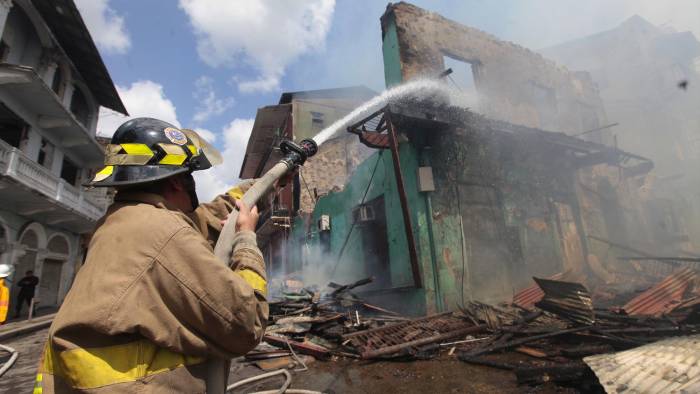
(52, 82)
(297, 116)
(518, 188)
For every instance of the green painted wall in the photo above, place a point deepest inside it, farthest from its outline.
(390, 51)
(339, 207)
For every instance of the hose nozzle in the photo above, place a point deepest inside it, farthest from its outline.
(297, 153)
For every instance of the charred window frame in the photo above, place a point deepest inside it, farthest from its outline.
(465, 75)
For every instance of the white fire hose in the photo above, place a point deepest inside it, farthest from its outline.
(5, 367)
(295, 155)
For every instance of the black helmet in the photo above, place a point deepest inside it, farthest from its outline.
(146, 150)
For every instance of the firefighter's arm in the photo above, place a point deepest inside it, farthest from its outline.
(199, 305)
(208, 216)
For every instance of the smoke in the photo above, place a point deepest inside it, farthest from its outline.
(314, 274)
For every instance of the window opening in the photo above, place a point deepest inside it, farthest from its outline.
(462, 79)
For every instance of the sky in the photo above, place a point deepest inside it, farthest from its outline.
(209, 64)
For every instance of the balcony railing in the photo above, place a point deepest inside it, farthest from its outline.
(16, 165)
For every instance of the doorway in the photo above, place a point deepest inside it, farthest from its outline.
(50, 282)
(371, 219)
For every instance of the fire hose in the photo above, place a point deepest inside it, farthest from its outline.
(295, 155)
(283, 389)
(8, 364)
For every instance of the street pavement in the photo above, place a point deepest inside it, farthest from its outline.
(20, 378)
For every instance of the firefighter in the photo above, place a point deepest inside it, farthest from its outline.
(152, 304)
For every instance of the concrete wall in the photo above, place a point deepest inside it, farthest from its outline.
(513, 83)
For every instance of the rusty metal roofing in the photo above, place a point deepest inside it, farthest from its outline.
(663, 297)
(568, 300)
(668, 366)
(392, 338)
(527, 298)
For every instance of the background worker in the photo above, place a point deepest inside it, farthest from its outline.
(27, 289)
(5, 271)
(152, 303)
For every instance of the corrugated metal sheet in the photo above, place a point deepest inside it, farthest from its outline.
(568, 300)
(668, 366)
(663, 297)
(528, 297)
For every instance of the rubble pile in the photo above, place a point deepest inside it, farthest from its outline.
(543, 336)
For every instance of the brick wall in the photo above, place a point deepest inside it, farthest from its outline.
(330, 168)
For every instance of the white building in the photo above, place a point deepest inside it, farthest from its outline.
(52, 82)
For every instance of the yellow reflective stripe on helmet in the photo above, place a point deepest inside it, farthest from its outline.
(103, 174)
(174, 154)
(254, 279)
(193, 149)
(102, 366)
(38, 389)
(137, 149)
(135, 154)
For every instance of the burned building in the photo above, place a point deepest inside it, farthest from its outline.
(648, 80)
(472, 204)
(509, 82)
(489, 205)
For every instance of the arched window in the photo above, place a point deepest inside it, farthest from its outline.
(29, 242)
(58, 244)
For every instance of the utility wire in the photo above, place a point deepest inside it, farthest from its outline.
(354, 221)
(307, 188)
(455, 83)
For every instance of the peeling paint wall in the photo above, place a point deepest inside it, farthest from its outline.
(494, 209)
(513, 83)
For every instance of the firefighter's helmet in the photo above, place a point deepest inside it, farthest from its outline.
(146, 150)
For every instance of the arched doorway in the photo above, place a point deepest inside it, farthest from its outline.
(31, 241)
(50, 281)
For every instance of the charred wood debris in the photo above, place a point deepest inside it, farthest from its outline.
(549, 327)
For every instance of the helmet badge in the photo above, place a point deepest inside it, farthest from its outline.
(175, 136)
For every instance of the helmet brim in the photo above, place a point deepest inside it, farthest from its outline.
(137, 175)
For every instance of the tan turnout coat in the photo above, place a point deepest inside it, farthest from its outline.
(152, 303)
